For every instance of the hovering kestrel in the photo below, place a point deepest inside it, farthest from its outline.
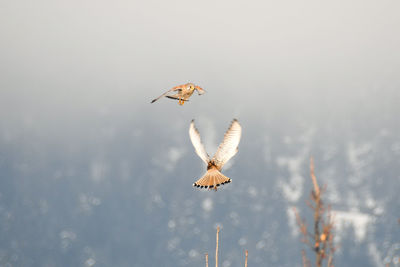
(226, 150)
(183, 92)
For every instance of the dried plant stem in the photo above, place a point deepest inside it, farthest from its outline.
(245, 260)
(317, 236)
(216, 249)
(206, 259)
(330, 260)
(314, 179)
(321, 240)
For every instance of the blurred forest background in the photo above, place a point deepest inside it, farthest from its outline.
(92, 174)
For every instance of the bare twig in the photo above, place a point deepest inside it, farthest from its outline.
(303, 227)
(330, 260)
(321, 240)
(216, 249)
(314, 179)
(206, 259)
(245, 260)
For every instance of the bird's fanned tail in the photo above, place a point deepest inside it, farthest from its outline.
(212, 179)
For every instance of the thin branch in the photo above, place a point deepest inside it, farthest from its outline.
(300, 222)
(245, 260)
(310, 205)
(314, 179)
(321, 240)
(206, 259)
(302, 227)
(216, 249)
(330, 260)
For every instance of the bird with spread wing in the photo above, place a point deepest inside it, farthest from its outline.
(226, 150)
(181, 92)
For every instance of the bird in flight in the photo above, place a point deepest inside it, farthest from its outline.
(181, 92)
(226, 150)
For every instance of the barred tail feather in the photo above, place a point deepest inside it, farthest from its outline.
(212, 179)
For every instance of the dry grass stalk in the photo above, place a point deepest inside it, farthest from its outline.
(313, 178)
(216, 249)
(216, 252)
(321, 240)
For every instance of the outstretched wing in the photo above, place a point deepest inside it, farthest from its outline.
(177, 88)
(196, 141)
(200, 90)
(229, 146)
(176, 96)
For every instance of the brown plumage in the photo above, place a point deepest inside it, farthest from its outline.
(183, 92)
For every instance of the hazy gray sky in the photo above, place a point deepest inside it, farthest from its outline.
(70, 66)
(93, 52)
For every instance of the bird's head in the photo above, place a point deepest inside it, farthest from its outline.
(193, 87)
(190, 87)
